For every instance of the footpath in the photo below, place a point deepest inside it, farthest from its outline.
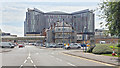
(100, 58)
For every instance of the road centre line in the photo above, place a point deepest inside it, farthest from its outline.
(89, 60)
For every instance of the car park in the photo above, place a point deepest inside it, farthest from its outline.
(7, 45)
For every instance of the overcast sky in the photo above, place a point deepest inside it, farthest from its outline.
(13, 12)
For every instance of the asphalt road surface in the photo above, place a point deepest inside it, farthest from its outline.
(34, 56)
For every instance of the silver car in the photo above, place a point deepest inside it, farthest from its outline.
(72, 46)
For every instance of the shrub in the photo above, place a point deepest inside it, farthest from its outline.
(90, 49)
(112, 47)
(102, 49)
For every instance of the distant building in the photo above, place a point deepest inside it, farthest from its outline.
(7, 35)
(102, 35)
(61, 33)
(81, 21)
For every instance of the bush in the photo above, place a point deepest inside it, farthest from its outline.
(90, 49)
(112, 47)
(102, 49)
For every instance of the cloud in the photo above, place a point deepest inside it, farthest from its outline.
(13, 13)
(50, 0)
(13, 30)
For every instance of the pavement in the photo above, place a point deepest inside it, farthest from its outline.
(100, 58)
(36, 57)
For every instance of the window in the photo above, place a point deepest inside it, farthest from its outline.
(58, 29)
(80, 37)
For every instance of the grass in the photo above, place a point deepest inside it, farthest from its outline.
(109, 55)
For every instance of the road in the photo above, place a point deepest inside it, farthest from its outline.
(35, 56)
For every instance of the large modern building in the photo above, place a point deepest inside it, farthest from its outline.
(36, 20)
(82, 22)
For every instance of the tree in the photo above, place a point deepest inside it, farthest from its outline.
(111, 13)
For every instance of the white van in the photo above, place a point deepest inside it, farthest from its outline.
(7, 45)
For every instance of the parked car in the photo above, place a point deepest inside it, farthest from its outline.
(77, 44)
(52, 45)
(59, 45)
(7, 45)
(21, 45)
(72, 46)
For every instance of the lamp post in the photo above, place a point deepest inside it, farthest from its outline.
(63, 32)
(84, 36)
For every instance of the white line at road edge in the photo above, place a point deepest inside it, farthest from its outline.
(71, 64)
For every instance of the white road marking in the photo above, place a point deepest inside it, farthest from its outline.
(31, 61)
(25, 61)
(28, 57)
(70, 64)
(20, 66)
(35, 66)
(58, 59)
(29, 54)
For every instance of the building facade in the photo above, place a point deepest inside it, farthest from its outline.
(61, 32)
(103, 35)
(81, 21)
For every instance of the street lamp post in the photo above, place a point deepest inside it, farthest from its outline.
(63, 32)
(84, 36)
